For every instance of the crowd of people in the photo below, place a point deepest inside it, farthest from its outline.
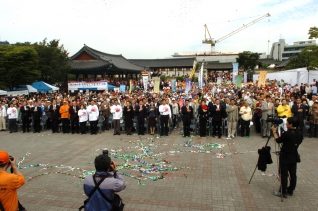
(212, 108)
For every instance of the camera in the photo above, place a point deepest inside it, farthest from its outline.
(276, 120)
(11, 158)
(105, 152)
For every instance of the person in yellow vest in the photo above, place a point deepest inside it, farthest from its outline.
(284, 112)
(65, 116)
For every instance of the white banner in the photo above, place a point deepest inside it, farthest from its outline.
(96, 85)
(145, 82)
(200, 78)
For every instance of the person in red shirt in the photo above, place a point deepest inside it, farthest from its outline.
(9, 183)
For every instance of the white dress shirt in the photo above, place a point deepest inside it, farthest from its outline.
(165, 110)
(12, 113)
(3, 112)
(83, 117)
(117, 111)
(93, 112)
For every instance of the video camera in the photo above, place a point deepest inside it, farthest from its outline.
(105, 152)
(276, 120)
(11, 158)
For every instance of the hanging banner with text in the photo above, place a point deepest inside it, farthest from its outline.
(245, 79)
(173, 84)
(235, 72)
(122, 88)
(145, 82)
(96, 85)
(188, 85)
(238, 81)
(156, 88)
(262, 78)
(200, 78)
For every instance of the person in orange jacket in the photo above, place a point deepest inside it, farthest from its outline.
(65, 117)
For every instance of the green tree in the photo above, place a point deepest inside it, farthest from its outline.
(313, 33)
(247, 60)
(53, 61)
(307, 58)
(18, 66)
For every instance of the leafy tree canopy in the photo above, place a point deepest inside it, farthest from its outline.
(18, 66)
(247, 60)
(307, 58)
(313, 33)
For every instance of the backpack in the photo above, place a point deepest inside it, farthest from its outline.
(117, 203)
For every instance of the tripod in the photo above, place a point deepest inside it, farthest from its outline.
(281, 189)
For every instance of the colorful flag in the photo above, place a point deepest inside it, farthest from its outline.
(188, 85)
(262, 78)
(173, 84)
(235, 72)
(239, 81)
(130, 85)
(157, 86)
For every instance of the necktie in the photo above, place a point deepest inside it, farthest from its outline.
(298, 106)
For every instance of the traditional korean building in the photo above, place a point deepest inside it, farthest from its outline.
(93, 64)
(168, 67)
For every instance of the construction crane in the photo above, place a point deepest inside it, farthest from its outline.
(210, 40)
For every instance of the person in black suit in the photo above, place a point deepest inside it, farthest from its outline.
(74, 117)
(55, 116)
(203, 117)
(129, 117)
(299, 111)
(218, 115)
(141, 113)
(25, 117)
(36, 112)
(187, 116)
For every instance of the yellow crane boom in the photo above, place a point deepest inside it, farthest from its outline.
(210, 40)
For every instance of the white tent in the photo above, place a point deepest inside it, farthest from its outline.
(2, 92)
(295, 76)
(20, 92)
(31, 88)
(313, 74)
(54, 88)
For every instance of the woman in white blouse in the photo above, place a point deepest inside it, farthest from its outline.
(83, 117)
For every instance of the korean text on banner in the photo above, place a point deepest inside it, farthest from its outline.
(157, 86)
(218, 80)
(262, 78)
(188, 85)
(173, 84)
(96, 85)
(235, 72)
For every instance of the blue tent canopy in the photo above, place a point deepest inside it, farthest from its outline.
(41, 86)
(111, 87)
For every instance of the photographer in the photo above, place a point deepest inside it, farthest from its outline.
(290, 141)
(9, 183)
(110, 184)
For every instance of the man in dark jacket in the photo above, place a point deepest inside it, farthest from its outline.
(36, 112)
(55, 116)
(218, 115)
(187, 116)
(25, 117)
(74, 117)
(141, 113)
(299, 112)
(290, 140)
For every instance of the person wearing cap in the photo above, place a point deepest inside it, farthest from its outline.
(9, 183)
(65, 116)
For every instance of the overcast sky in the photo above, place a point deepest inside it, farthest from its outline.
(156, 28)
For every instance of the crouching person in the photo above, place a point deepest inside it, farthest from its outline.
(101, 187)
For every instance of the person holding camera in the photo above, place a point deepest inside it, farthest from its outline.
(9, 183)
(107, 183)
(288, 157)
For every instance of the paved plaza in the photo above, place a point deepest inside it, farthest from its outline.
(201, 176)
